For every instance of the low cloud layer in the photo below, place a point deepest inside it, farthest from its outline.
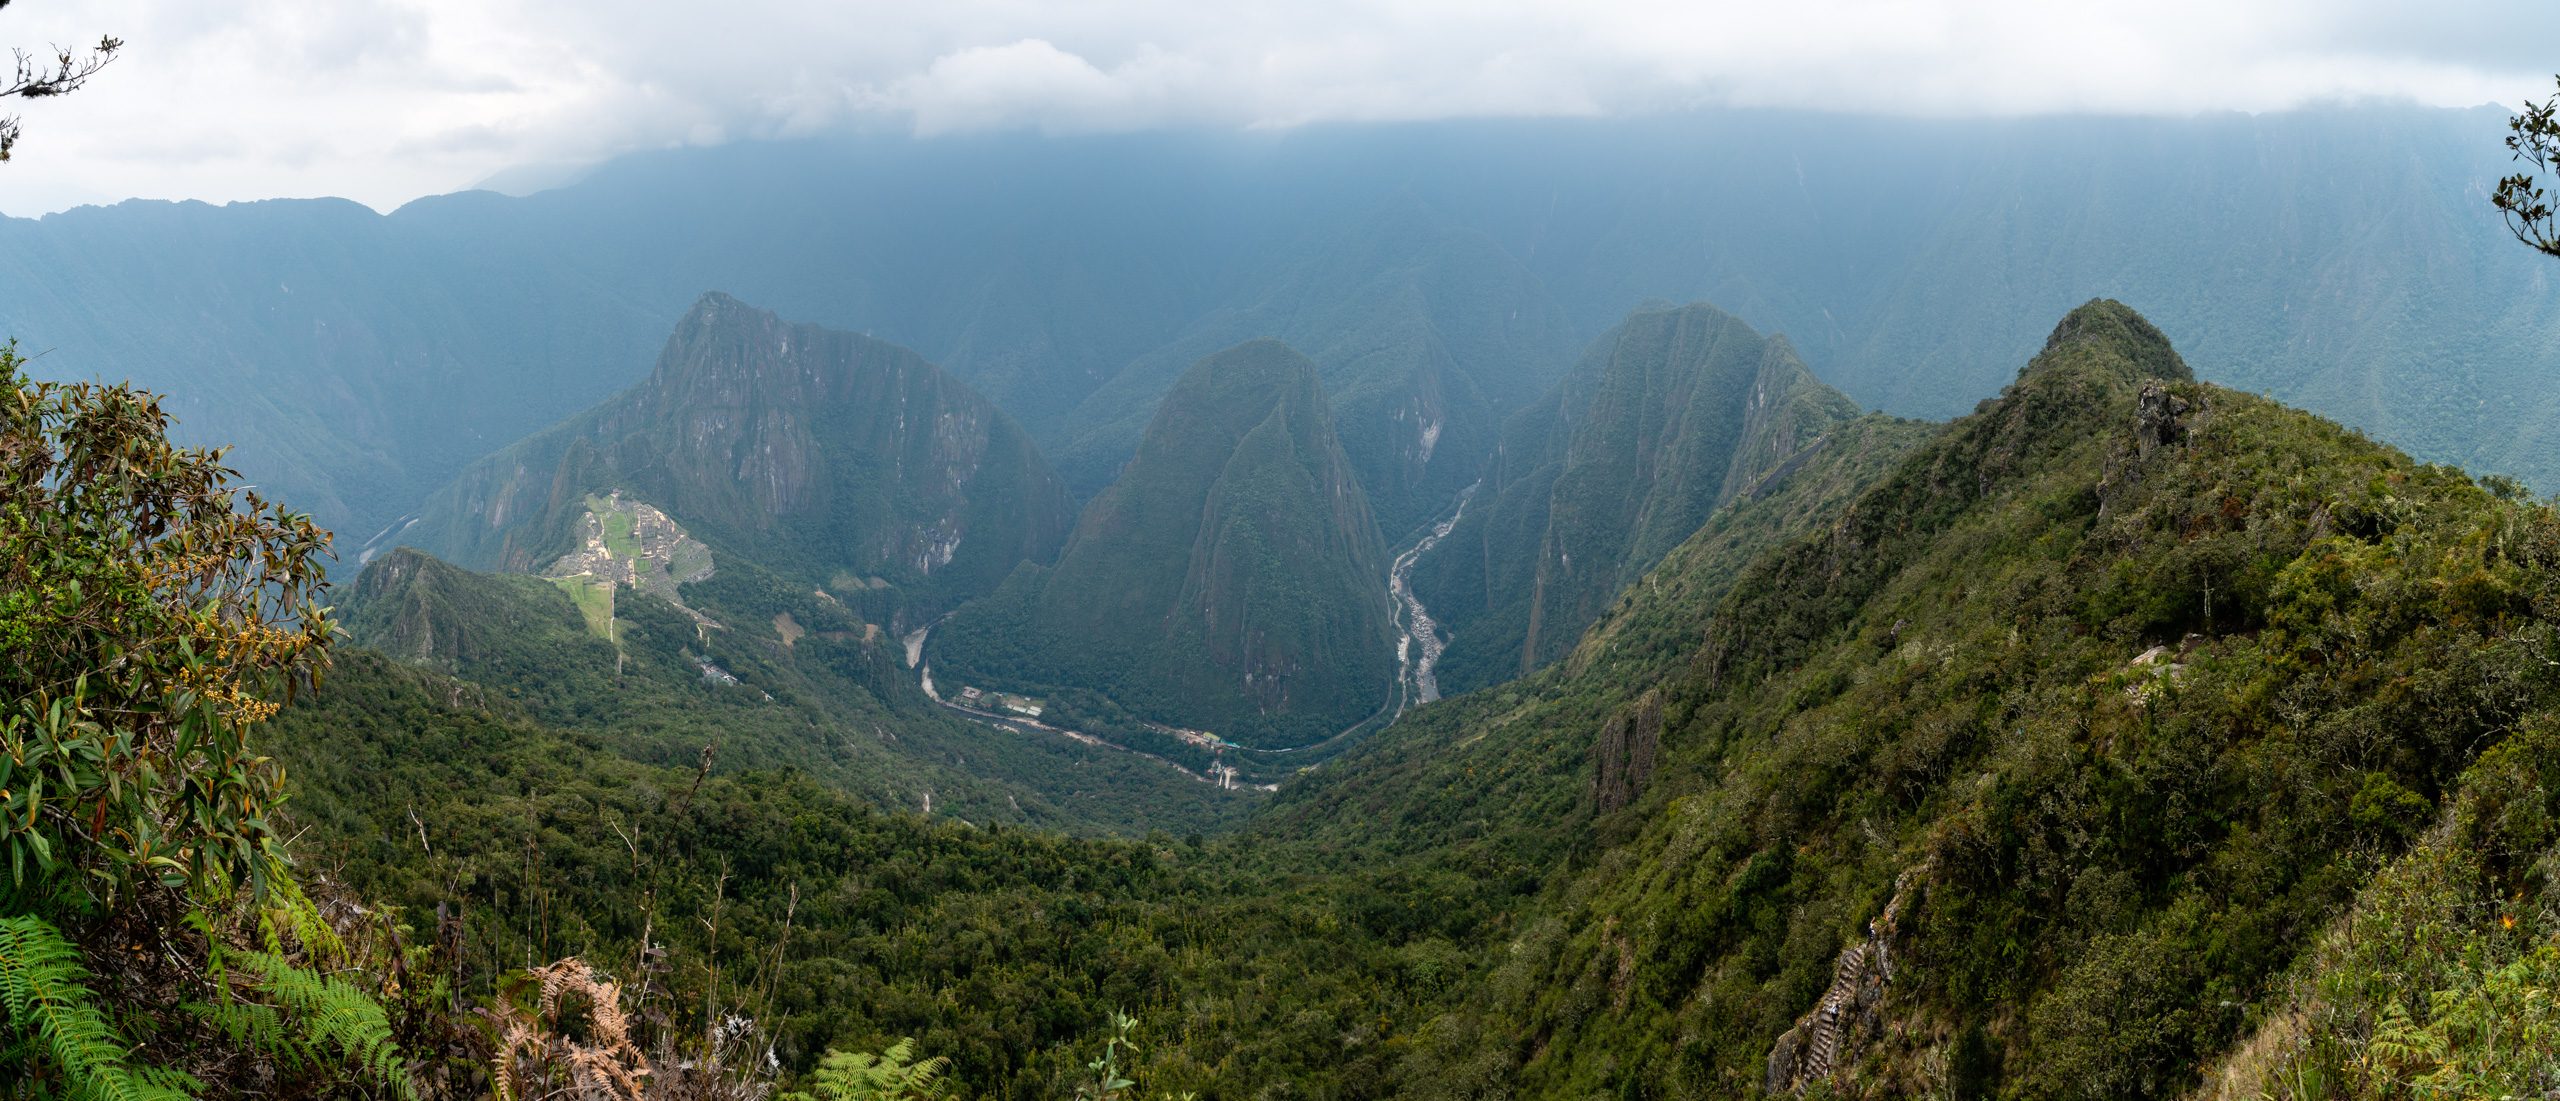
(385, 100)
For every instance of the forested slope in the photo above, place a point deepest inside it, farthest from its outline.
(1231, 579)
(2040, 763)
(834, 702)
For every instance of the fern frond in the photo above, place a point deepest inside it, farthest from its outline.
(888, 1076)
(46, 1002)
(313, 1015)
(289, 912)
(258, 1028)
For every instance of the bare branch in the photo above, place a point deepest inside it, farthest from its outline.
(61, 73)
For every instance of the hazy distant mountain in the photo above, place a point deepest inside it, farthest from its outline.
(842, 460)
(1427, 334)
(354, 362)
(1231, 579)
(1665, 419)
(2345, 260)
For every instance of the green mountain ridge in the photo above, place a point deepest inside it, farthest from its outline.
(1667, 418)
(1230, 580)
(2127, 730)
(2041, 762)
(833, 457)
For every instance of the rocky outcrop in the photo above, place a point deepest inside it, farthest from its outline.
(1630, 743)
(2160, 418)
(1822, 1040)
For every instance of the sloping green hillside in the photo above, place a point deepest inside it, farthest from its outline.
(831, 696)
(2038, 765)
(833, 458)
(824, 917)
(1668, 417)
(1230, 580)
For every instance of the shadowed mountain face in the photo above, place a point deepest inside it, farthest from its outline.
(1426, 335)
(836, 458)
(1666, 419)
(1231, 579)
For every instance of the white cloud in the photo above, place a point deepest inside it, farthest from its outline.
(1034, 83)
(384, 100)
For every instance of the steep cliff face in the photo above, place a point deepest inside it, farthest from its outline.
(820, 453)
(1231, 579)
(1666, 419)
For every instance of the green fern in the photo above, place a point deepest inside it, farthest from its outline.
(286, 911)
(313, 1021)
(888, 1076)
(48, 1012)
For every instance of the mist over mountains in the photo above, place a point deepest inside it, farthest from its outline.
(1441, 275)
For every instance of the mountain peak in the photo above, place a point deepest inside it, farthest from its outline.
(718, 312)
(807, 450)
(1264, 358)
(713, 303)
(2104, 330)
(1235, 389)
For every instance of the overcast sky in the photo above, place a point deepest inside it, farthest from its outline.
(386, 100)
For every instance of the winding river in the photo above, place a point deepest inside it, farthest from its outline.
(1418, 642)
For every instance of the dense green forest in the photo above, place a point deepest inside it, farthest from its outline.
(1001, 948)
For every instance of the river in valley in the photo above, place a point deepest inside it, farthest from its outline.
(1418, 641)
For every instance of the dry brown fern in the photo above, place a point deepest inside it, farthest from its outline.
(537, 1057)
(578, 1043)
